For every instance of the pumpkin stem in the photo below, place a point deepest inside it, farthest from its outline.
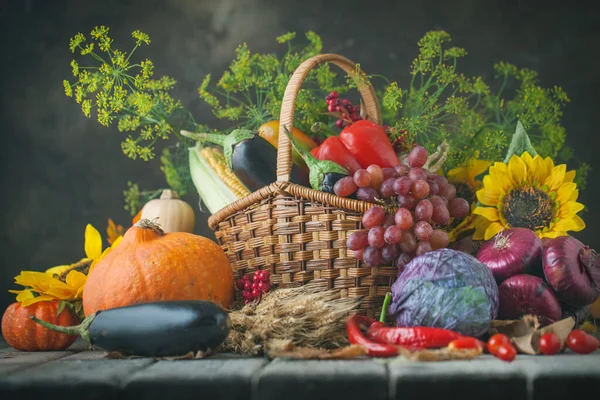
(145, 223)
(79, 330)
(168, 194)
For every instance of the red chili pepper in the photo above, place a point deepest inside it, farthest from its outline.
(355, 336)
(369, 144)
(582, 342)
(333, 149)
(467, 343)
(416, 336)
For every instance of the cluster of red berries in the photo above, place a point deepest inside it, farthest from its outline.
(253, 287)
(349, 113)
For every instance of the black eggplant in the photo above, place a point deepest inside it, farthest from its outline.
(323, 173)
(329, 180)
(157, 329)
(251, 158)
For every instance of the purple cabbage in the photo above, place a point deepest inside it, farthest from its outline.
(447, 289)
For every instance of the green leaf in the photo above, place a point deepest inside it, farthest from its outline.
(236, 136)
(61, 307)
(520, 143)
(318, 168)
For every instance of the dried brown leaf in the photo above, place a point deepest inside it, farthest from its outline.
(525, 333)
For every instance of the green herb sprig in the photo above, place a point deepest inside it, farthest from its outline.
(117, 88)
(442, 104)
(250, 92)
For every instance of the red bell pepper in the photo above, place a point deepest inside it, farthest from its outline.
(369, 144)
(333, 149)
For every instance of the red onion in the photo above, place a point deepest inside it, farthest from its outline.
(511, 252)
(527, 294)
(572, 270)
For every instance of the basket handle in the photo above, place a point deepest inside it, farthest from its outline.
(286, 116)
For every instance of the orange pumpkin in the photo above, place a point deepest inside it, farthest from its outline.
(151, 265)
(21, 333)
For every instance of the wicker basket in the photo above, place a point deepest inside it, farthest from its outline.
(297, 233)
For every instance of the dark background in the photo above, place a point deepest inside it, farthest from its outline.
(60, 170)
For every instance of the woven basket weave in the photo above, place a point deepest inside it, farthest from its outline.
(299, 234)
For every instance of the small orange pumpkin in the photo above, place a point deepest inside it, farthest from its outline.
(22, 333)
(151, 265)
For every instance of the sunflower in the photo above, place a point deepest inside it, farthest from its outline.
(465, 179)
(528, 192)
(63, 282)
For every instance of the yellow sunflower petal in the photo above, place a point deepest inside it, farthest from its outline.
(39, 281)
(93, 242)
(481, 225)
(458, 174)
(76, 279)
(492, 230)
(528, 160)
(517, 170)
(37, 299)
(467, 224)
(551, 234)
(499, 177)
(478, 167)
(489, 195)
(569, 209)
(489, 213)
(23, 295)
(574, 195)
(58, 270)
(539, 171)
(556, 177)
(564, 192)
(570, 176)
(575, 224)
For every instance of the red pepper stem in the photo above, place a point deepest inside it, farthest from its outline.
(386, 303)
(355, 336)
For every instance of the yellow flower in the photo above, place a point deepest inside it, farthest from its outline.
(467, 173)
(530, 193)
(465, 179)
(63, 282)
(48, 287)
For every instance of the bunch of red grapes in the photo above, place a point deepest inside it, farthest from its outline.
(425, 202)
(252, 288)
(349, 112)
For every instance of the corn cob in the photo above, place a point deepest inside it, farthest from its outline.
(212, 190)
(216, 160)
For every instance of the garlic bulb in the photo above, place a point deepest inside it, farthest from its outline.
(171, 213)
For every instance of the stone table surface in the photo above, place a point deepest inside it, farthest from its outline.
(79, 373)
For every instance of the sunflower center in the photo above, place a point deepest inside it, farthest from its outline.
(82, 266)
(465, 191)
(528, 207)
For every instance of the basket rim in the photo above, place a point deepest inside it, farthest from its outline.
(291, 189)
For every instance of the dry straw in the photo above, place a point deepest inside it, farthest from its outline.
(304, 316)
